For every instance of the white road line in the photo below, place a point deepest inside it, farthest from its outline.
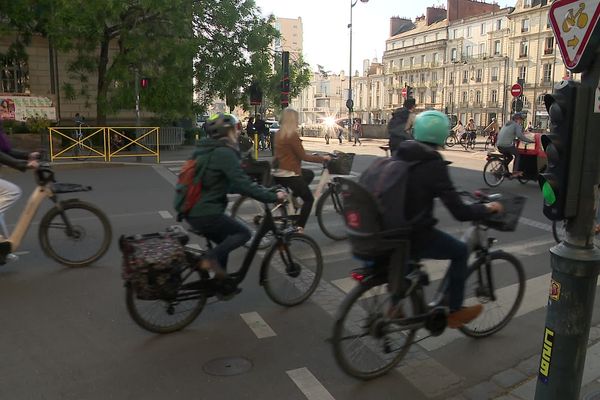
(258, 325)
(165, 173)
(536, 224)
(309, 385)
(165, 214)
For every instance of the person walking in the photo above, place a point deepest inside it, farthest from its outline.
(357, 131)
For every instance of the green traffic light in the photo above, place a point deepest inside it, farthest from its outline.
(548, 193)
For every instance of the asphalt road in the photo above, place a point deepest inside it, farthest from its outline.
(67, 335)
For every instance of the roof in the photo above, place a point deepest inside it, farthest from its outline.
(422, 28)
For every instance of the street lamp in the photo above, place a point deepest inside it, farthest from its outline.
(349, 102)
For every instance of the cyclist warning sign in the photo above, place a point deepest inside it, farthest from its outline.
(574, 24)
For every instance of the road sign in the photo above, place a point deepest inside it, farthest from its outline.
(517, 105)
(404, 92)
(349, 104)
(574, 24)
(516, 90)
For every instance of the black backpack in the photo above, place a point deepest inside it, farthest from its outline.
(397, 125)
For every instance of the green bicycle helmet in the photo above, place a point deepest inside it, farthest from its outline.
(431, 127)
(219, 124)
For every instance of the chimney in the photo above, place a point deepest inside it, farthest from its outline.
(460, 9)
(434, 15)
(399, 25)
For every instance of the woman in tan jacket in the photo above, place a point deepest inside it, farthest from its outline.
(289, 154)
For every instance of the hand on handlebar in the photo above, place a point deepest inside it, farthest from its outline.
(281, 196)
(34, 156)
(33, 164)
(495, 207)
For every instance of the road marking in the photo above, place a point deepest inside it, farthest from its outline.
(258, 325)
(536, 224)
(165, 214)
(165, 173)
(309, 385)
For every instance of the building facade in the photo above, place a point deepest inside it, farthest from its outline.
(292, 36)
(324, 97)
(369, 92)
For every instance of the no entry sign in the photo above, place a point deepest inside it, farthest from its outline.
(516, 90)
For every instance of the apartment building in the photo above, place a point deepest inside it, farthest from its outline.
(477, 67)
(292, 35)
(535, 60)
(324, 97)
(369, 92)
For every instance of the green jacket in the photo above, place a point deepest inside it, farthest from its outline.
(223, 175)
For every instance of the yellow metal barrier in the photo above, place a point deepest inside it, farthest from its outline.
(95, 142)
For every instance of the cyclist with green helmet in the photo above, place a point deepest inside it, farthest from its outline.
(429, 179)
(219, 158)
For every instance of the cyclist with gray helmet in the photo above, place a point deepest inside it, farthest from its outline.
(428, 179)
(218, 156)
(510, 132)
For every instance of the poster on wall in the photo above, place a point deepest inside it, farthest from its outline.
(20, 108)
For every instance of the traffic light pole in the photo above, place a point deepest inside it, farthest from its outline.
(575, 263)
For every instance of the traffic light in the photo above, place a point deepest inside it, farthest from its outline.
(144, 83)
(410, 92)
(554, 181)
(285, 81)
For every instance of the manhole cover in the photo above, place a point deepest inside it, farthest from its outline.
(227, 366)
(592, 396)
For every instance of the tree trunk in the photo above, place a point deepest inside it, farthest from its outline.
(101, 99)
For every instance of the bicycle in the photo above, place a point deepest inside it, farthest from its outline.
(452, 139)
(496, 169)
(468, 139)
(82, 147)
(490, 141)
(180, 293)
(73, 219)
(559, 232)
(250, 211)
(370, 336)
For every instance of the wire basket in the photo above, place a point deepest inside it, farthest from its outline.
(341, 164)
(507, 220)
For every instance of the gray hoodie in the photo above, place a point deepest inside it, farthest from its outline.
(509, 132)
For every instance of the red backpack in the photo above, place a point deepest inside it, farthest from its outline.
(188, 189)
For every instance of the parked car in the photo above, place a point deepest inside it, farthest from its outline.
(273, 126)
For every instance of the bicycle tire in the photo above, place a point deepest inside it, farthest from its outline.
(488, 143)
(558, 232)
(497, 170)
(292, 273)
(253, 220)
(479, 265)
(450, 141)
(463, 142)
(365, 337)
(322, 205)
(136, 314)
(472, 144)
(77, 235)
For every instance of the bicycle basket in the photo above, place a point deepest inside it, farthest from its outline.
(259, 171)
(508, 220)
(341, 165)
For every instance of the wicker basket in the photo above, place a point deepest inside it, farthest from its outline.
(341, 164)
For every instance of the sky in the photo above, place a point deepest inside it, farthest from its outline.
(326, 36)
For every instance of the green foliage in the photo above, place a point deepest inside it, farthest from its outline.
(15, 127)
(300, 75)
(38, 125)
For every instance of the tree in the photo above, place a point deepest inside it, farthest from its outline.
(300, 76)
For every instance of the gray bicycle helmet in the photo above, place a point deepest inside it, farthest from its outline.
(219, 124)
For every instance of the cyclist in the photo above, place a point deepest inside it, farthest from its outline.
(289, 154)
(471, 129)
(9, 192)
(218, 156)
(430, 179)
(492, 131)
(511, 131)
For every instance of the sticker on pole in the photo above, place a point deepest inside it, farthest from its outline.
(574, 23)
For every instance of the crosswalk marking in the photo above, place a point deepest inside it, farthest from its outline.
(309, 385)
(165, 214)
(258, 325)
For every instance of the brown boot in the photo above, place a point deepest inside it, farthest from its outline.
(463, 316)
(209, 264)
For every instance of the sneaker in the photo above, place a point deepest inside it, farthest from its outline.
(463, 316)
(208, 264)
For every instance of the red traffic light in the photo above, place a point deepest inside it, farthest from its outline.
(144, 82)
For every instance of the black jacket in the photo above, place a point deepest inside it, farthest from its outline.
(427, 180)
(15, 158)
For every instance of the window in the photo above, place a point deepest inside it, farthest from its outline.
(422, 60)
(455, 34)
(437, 36)
(526, 3)
(478, 97)
(412, 62)
(478, 75)
(468, 31)
(522, 72)
(435, 58)
(434, 76)
(469, 51)
(433, 96)
(483, 30)
(453, 55)
(497, 47)
(548, 24)
(465, 78)
(547, 73)
(413, 41)
(401, 63)
(14, 76)
(423, 78)
(403, 43)
(494, 96)
(540, 99)
(451, 78)
(523, 48)
(411, 79)
(498, 24)
(495, 74)
(425, 39)
(549, 47)
(465, 97)
(421, 97)
(525, 25)
(482, 49)
(451, 98)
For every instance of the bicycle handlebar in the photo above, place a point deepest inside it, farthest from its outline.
(480, 196)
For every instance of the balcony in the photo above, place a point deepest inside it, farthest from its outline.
(494, 79)
(478, 79)
(548, 52)
(492, 104)
(463, 104)
(522, 55)
(465, 80)
(478, 104)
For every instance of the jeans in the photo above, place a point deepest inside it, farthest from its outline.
(510, 152)
(441, 246)
(299, 186)
(223, 230)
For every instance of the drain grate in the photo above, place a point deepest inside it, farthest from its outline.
(227, 366)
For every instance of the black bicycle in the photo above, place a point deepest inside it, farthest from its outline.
(378, 320)
(497, 169)
(468, 140)
(290, 272)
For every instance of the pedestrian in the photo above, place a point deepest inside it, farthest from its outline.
(340, 132)
(529, 127)
(250, 127)
(357, 131)
(260, 128)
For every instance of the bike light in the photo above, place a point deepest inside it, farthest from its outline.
(357, 276)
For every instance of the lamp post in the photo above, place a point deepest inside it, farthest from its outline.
(350, 102)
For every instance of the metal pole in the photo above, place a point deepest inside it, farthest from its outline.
(350, 74)
(575, 263)
(137, 111)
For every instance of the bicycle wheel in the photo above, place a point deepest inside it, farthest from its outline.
(493, 172)
(330, 203)
(472, 143)
(488, 144)
(75, 233)
(559, 230)
(251, 212)
(506, 276)
(366, 343)
(463, 142)
(450, 141)
(175, 307)
(292, 269)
